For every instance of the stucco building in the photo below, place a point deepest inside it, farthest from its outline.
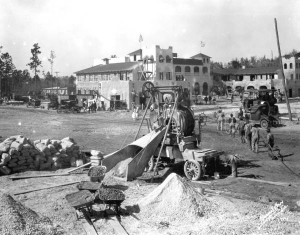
(264, 77)
(123, 81)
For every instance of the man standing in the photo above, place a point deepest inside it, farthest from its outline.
(241, 128)
(255, 138)
(248, 136)
(270, 142)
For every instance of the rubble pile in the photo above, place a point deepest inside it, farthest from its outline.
(15, 218)
(173, 200)
(18, 153)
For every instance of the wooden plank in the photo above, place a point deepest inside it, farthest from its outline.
(53, 186)
(87, 225)
(87, 164)
(115, 224)
(266, 181)
(36, 176)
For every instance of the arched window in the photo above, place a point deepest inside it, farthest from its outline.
(196, 69)
(196, 88)
(291, 65)
(205, 89)
(168, 59)
(187, 69)
(177, 69)
(161, 59)
(285, 66)
(204, 69)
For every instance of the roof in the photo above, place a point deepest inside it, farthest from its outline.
(115, 67)
(187, 61)
(247, 71)
(200, 55)
(137, 52)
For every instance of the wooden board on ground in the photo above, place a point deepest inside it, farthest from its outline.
(87, 225)
(115, 224)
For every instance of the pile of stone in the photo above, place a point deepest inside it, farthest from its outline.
(18, 153)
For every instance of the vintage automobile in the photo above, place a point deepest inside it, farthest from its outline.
(68, 106)
(260, 106)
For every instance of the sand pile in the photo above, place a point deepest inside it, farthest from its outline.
(174, 200)
(15, 218)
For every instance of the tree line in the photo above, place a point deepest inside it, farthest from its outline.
(252, 62)
(20, 82)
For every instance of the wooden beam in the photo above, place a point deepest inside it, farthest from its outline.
(53, 186)
(115, 224)
(87, 224)
(18, 177)
(265, 181)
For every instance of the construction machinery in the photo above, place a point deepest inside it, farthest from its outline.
(260, 107)
(175, 135)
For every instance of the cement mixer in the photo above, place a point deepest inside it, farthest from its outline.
(183, 131)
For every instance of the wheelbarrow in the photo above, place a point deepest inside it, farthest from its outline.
(110, 197)
(81, 200)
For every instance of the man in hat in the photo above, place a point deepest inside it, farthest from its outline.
(248, 135)
(254, 138)
(270, 143)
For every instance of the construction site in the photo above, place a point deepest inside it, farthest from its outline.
(168, 170)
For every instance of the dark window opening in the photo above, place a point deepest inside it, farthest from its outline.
(177, 69)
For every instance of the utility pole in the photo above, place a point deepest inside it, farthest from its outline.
(51, 60)
(57, 82)
(283, 77)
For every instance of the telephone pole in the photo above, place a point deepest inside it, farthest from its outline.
(282, 73)
(57, 82)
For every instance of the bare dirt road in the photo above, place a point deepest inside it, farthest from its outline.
(109, 131)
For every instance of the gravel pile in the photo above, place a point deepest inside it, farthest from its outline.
(174, 200)
(18, 153)
(15, 218)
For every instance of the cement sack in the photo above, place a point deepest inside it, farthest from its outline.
(5, 158)
(52, 148)
(67, 145)
(13, 160)
(12, 164)
(4, 147)
(68, 139)
(18, 146)
(4, 170)
(13, 151)
(45, 166)
(27, 146)
(45, 141)
(19, 168)
(36, 142)
(22, 140)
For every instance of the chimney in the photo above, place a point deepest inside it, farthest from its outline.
(106, 60)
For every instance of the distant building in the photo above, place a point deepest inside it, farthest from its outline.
(124, 80)
(264, 77)
(64, 91)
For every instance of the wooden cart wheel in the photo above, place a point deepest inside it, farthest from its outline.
(264, 123)
(192, 170)
(146, 89)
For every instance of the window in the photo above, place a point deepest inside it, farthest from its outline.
(291, 65)
(292, 76)
(285, 66)
(168, 59)
(297, 76)
(177, 69)
(121, 76)
(168, 76)
(196, 69)
(296, 65)
(161, 76)
(187, 69)
(205, 70)
(79, 92)
(252, 77)
(84, 92)
(161, 59)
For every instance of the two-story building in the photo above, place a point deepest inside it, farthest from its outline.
(124, 80)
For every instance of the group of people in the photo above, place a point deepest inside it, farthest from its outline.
(248, 132)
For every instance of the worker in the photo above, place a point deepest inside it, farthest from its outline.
(255, 138)
(154, 117)
(232, 126)
(231, 98)
(248, 136)
(241, 128)
(219, 122)
(270, 144)
(241, 113)
(205, 99)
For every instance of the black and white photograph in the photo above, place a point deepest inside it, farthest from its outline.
(162, 117)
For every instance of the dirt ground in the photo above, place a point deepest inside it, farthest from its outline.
(110, 131)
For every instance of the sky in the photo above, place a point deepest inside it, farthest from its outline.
(80, 31)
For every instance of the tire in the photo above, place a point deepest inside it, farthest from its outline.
(264, 123)
(192, 170)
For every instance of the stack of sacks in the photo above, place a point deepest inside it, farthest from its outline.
(18, 153)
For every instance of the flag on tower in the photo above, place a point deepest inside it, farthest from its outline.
(202, 44)
(140, 38)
